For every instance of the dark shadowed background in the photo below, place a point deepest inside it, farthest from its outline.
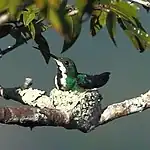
(130, 74)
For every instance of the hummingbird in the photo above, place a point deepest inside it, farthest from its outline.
(68, 78)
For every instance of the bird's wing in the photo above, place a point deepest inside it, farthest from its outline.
(93, 81)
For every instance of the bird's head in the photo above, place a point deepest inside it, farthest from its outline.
(65, 66)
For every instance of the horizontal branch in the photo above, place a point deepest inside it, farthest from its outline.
(31, 117)
(125, 108)
(71, 110)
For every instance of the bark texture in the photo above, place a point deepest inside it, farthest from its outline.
(31, 117)
(71, 110)
(125, 108)
(81, 110)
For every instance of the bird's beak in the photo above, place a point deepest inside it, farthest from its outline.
(59, 63)
(54, 57)
(57, 60)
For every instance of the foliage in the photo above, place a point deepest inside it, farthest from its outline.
(28, 19)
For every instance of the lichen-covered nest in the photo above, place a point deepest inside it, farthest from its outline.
(84, 108)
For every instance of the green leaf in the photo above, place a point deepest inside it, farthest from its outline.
(33, 9)
(28, 17)
(76, 29)
(94, 25)
(25, 17)
(124, 10)
(3, 5)
(102, 18)
(105, 2)
(32, 29)
(97, 22)
(111, 26)
(43, 47)
(55, 20)
(84, 6)
(40, 3)
(12, 5)
(136, 41)
(5, 30)
(56, 3)
(81, 5)
(138, 36)
(20, 35)
(30, 13)
(18, 15)
(59, 19)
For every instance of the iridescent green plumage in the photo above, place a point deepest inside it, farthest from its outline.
(68, 78)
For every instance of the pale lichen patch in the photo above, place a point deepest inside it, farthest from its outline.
(35, 97)
(84, 108)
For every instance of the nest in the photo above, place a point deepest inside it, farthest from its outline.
(84, 108)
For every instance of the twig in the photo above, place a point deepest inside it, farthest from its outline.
(125, 108)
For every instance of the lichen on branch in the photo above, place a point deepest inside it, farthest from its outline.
(72, 110)
(31, 116)
(127, 107)
(80, 109)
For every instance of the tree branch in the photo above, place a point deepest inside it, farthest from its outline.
(31, 117)
(71, 110)
(125, 108)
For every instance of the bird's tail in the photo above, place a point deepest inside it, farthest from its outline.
(102, 78)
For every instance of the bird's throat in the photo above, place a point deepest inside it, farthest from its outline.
(65, 83)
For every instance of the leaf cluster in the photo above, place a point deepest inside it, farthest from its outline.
(28, 19)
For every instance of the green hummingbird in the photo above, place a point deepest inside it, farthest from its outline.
(68, 78)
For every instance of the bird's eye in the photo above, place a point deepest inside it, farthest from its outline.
(67, 63)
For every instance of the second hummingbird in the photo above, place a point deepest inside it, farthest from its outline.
(68, 78)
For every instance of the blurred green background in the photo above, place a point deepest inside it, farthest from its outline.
(129, 78)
